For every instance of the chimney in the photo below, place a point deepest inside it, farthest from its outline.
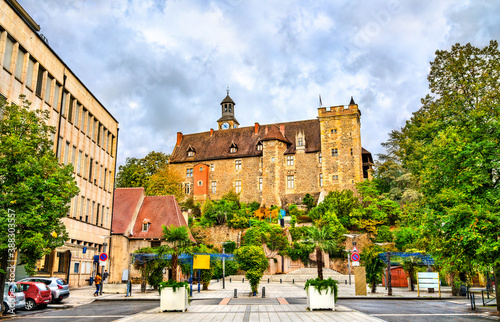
(256, 128)
(211, 132)
(179, 138)
(282, 129)
(266, 130)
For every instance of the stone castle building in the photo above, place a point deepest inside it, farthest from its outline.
(86, 136)
(274, 164)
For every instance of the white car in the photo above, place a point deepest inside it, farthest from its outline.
(13, 297)
(59, 289)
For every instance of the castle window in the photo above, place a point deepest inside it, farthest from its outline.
(190, 151)
(335, 177)
(212, 167)
(300, 141)
(290, 182)
(351, 151)
(200, 183)
(319, 157)
(187, 188)
(233, 150)
(260, 184)
(145, 226)
(229, 108)
(225, 107)
(214, 186)
(155, 243)
(259, 147)
(289, 160)
(333, 131)
(237, 186)
(201, 169)
(237, 164)
(189, 172)
(321, 179)
(335, 152)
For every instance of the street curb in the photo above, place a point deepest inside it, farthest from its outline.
(400, 298)
(126, 299)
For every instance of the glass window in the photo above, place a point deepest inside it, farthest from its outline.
(260, 184)
(189, 172)
(76, 268)
(39, 80)
(237, 185)
(212, 167)
(335, 152)
(57, 90)
(82, 202)
(214, 186)
(48, 86)
(77, 115)
(66, 153)
(63, 105)
(70, 109)
(290, 182)
(335, 177)
(321, 179)
(29, 73)
(20, 63)
(319, 157)
(7, 57)
(237, 164)
(289, 160)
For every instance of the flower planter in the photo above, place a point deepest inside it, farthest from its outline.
(171, 300)
(317, 301)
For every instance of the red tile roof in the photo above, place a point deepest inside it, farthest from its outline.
(159, 211)
(126, 201)
(217, 145)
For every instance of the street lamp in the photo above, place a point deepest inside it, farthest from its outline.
(223, 265)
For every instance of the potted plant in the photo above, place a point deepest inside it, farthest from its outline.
(321, 294)
(174, 296)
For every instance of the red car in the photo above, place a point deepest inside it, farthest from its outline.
(37, 295)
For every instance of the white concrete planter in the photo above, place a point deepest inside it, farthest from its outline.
(174, 301)
(316, 301)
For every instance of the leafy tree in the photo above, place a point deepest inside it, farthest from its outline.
(178, 243)
(450, 146)
(35, 191)
(151, 269)
(342, 203)
(137, 172)
(324, 242)
(373, 264)
(272, 235)
(165, 181)
(253, 261)
(300, 250)
(384, 235)
(308, 201)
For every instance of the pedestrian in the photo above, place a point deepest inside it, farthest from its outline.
(97, 281)
(105, 276)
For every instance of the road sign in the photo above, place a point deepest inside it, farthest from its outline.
(101, 263)
(103, 257)
(355, 263)
(354, 249)
(355, 257)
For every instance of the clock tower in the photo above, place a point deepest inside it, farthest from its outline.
(227, 121)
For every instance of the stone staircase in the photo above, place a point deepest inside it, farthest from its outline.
(300, 275)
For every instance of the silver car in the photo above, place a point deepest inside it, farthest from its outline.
(13, 298)
(58, 287)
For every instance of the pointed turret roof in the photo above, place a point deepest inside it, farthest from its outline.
(227, 100)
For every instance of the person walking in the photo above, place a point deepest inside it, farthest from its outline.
(97, 281)
(105, 277)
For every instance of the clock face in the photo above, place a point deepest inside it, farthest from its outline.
(225, 126)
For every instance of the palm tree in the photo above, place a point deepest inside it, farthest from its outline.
(178, 243)
(325, 242)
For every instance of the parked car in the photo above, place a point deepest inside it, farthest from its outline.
(37, 295)
(58, 287)
(15, 292)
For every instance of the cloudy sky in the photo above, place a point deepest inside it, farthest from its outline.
(163, 66)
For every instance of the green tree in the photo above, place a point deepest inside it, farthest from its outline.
(308, 201)
(342, 203)
(151, 269)
(137, 172)
(253, 261)
(178, 243)
(324, 242)
(373, 264)
(165, 181)
(450, 146)
(35, 191)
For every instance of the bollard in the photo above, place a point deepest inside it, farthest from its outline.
(243, 280)
(254, 294)
(230, 280)
(235, 293)
(263, 292)
(268, 281)
(293, 281)
(191, 290)
(280, 281)
(217, 280)
(345, 282)
(199, 286)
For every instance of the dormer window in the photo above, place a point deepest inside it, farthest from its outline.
(191, 152)
(233, 148)
(259, 146)
(145, 225)
(300, 141)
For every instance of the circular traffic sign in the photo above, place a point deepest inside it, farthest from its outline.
(355, 257)
(103, 257)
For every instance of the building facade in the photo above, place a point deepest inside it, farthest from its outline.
(86, 136)
(275, 164)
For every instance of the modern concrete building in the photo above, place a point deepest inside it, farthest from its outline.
(86, 136)
(274, 164)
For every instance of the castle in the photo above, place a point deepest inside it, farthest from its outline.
(274, 164)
